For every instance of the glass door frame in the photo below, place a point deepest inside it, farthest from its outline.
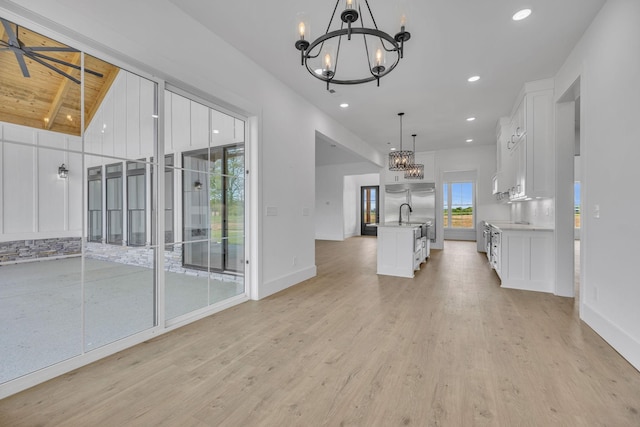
(368, 230)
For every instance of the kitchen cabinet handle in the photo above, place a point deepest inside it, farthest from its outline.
(518, 133)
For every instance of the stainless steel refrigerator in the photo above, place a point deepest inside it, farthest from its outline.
(420, 196)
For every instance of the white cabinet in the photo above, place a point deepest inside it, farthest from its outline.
(502, 178)
(526, 260)
(400, 250)
(526, 167)
(426, 158)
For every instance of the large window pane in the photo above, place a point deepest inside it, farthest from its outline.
(462, 205)
(458, 202)
(136, 204)
(576, 204)
(95, 204)
(445, 203)
(114, 203)
(209, 171)
(233, 233)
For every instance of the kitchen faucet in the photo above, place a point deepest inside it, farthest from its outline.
(408, 214)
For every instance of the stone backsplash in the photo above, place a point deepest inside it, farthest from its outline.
(27, 250)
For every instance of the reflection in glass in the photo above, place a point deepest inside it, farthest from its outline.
(95, 204)
(118, 297)
(186, 289)
(40, 315)
(114, 203)
(234, 214)
(42, 310)
(195, 198)
(136, 204)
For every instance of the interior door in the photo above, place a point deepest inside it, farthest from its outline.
(369, 217)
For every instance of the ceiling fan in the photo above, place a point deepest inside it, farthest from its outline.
(20, 50)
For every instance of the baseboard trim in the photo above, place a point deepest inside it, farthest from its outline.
(286, 281)
(621, 341)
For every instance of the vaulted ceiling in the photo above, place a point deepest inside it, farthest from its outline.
(47, 99)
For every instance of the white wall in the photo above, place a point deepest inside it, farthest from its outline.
(34, 202)
(482, 159)
(284, 126)
(330, 208)
(606, 60)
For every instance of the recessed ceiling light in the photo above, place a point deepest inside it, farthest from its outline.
(469, 140)
(393, 149)
(318, 71)
(473, 79)
(344, 105)
(521, 14)
(470, 119)
(216, 131)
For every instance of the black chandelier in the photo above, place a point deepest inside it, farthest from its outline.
(414, 171)
(400, 160)
(321, 55)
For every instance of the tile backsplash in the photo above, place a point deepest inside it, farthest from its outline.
(535, 212)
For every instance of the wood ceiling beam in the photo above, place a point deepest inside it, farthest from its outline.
(104, 89)
(61, 94)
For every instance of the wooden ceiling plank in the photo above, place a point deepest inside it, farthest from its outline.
(61, 94)
(104, 89)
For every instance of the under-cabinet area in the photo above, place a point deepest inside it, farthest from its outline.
(521, 255)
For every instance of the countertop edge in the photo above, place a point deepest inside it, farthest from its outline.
(509, 226)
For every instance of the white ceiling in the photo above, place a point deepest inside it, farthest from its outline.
(451, 40)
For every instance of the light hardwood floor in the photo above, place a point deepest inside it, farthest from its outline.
(350, 348)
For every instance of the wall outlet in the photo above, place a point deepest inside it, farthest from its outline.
(272, 211)
(596, 211)
(295, 261)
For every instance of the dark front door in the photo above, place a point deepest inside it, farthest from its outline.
(369, 211)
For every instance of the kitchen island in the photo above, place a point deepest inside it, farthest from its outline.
(402, 248)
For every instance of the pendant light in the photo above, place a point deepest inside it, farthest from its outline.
(399, 160)
(414, 171)
(355, 29)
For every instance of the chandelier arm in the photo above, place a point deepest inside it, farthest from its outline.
(371, 14)
(335, 68)
(332, 16)
(356, 30)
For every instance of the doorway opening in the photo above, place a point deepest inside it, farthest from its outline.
(369, 202)
(569, 190)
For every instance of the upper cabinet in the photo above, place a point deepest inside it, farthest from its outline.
(426, 158)
(526, 145)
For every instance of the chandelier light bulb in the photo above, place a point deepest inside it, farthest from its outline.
(327, 61)
(379, 56)
(301, 29)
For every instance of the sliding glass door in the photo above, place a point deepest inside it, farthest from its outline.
(213, 216)
(205, 264)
